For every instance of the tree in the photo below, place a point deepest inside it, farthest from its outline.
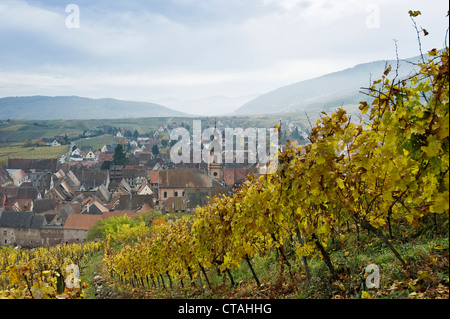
(135, 134)
(106, 165)
(27, 142)
(119, 156)
(155, 149)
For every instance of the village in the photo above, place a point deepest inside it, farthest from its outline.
(48, 202)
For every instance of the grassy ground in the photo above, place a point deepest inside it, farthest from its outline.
(88, 271)
(425, 250)
(97, 142)
(17, 150)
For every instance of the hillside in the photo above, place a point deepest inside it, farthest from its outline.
(324, 92)
(75, 107)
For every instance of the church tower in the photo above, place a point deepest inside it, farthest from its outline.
(215, 168)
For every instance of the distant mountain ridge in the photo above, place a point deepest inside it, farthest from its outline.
(208, 106)
(79, 108)
(324, 92)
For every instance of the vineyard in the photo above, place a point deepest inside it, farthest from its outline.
(383, 177)
(44, 272)
(367, 191)
(17, 150)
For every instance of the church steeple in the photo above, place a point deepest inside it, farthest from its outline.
(215, 168)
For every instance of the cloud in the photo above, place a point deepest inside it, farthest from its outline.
(144, 49)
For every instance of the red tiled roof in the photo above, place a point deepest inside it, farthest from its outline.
(86, 221)
(105, 157)
(81, 221)
(232, 176)
(144, 209)
(154, 177)
(182, 178)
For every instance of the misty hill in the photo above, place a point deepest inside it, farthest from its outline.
(212, 105)
(75, 107)
(324, 92)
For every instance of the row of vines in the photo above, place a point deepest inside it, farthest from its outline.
(44, 272)
(389, 168)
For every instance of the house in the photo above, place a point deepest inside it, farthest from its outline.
(144, 189)
(5, 179)
(88, 155)
(234, 177)
(19, 198)
(18, 176)
(105, 157)
(76, 158)
(43, 181)
(33, 165)
(64, 186)
(20, 205)
(44, 206)
(55, 141)
(62, 192)
(77, 226)
(76, 151)
(75, 155)
(144, 158)
(60, 174)
(135, 176)
(174, 205)
(93, 206)
(20, 229)
(132, 202)
(144, 209)
(174, 183)
(154, 179)
(61, 215)
(72, 180)
(83, 163)
(103, 193)
(119, 189)
(90, 179)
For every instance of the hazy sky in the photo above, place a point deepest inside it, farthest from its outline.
(148, 50)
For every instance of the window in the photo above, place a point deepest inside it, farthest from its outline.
(176, 194)
(5, 233)
(165, 194)
(183, 194)
(215, 174)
